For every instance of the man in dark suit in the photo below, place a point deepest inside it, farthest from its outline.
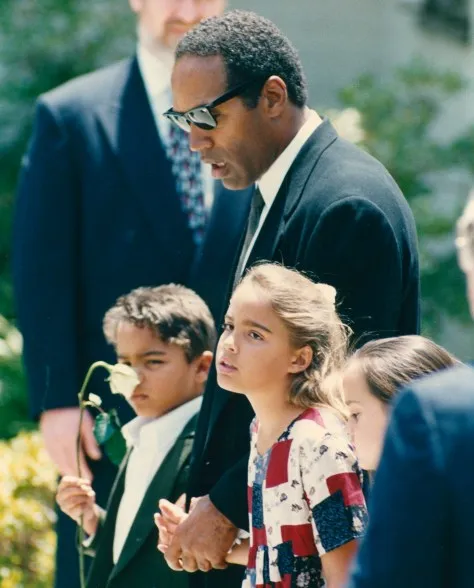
(105, 204)
(321, 205)
(421, 507)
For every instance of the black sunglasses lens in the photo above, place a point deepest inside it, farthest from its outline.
(202, 118)
(180, 121)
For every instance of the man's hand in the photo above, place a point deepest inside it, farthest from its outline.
(202, 540)
(59, 429)
(76, 498)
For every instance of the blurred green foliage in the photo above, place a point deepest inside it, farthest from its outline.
(398, 117)
(27, 488)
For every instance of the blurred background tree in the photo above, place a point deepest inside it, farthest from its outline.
(398, 118)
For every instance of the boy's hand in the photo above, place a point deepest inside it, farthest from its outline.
(167, 521)
(76, 498)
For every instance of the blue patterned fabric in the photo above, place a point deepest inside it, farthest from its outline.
(186, 168)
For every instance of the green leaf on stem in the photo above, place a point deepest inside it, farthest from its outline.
(108, 434)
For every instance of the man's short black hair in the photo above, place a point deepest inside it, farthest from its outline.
(252, 47)
(175, 313)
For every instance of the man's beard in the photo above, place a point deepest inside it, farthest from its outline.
(155, 45)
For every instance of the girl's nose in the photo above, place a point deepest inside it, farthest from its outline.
(229, 343)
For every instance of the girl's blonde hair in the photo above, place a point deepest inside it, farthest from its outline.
(308, 311)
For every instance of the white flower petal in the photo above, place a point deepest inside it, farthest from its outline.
(97, 400)
(123, 380)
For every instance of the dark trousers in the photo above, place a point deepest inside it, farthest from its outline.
(67, 555)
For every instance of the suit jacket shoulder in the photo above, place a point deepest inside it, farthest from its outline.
(88, 90)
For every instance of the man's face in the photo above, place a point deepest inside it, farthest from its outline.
(240, 147)
(166, 21)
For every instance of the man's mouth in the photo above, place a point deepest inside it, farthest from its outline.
(218, 169)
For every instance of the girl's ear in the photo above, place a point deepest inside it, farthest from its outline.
(203, 365)
(301, 360)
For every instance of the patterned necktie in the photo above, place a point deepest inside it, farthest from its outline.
(186, 168)
(256, 208)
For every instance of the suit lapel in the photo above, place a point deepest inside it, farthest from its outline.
(268, 243)
(161, 486)
(129, 124)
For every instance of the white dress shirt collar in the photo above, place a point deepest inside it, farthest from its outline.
(156, 69)
(145, 432)
(272, 179)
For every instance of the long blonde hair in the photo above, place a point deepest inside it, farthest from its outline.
(308, 311)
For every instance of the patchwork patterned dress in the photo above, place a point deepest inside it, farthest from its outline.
(305, 499)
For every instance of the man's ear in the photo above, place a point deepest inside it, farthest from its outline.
(274, 96)
(301, 360)
(203, 365)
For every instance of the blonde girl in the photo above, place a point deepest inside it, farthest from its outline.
(281, 341)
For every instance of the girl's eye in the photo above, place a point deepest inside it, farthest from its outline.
(355, 416)
(256, 336)
(227, 327)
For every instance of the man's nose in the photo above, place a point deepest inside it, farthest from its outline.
(199, 139)
(187, 11)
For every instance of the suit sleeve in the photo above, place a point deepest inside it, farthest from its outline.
(353, 248)
(46, 264)
(404, 541)
(229, 495)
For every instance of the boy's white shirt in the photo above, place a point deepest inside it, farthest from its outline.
(151, 440)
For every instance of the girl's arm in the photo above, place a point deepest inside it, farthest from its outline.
(239, 554)
(336, 565)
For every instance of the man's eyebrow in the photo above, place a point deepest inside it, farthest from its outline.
(257, 325)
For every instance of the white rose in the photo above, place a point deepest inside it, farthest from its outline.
(123, 380)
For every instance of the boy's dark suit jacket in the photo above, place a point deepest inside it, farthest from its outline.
(140, 564)
(340, 217)
(97, 215)
(421, 508)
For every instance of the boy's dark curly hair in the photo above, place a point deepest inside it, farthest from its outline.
(253, 48)
(177, 315)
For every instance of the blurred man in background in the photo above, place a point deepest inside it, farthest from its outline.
(110, 198)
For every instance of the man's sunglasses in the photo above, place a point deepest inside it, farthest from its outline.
(201, 116)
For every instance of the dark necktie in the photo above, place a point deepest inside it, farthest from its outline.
(186, 168)
(256, 208)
